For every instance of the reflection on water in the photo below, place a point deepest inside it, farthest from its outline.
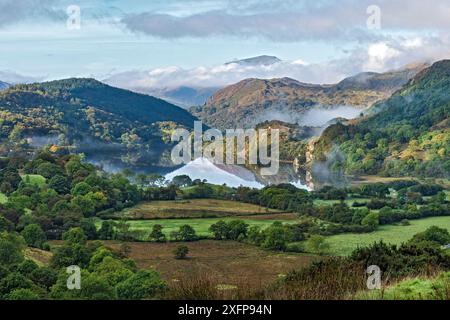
(233, 175)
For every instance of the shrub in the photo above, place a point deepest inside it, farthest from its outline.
(317, 244)
(142, 285)
(181, 252)
(34, 236)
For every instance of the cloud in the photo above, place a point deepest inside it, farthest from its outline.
(220, 75)
(279, 27)
(284, 21)
(15, 78)
(379, 56)
(15, 11)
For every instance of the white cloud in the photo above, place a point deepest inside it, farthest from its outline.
(378, 55)
(221, 75)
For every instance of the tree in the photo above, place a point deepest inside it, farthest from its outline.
(69, 255)
(181, 252)
(81, 189)
(187, 233)
(10, 252)
(48, 170)
(34, 235)
(371, 220)
(220, 230)
(22, 294)
(107, 231)
(182, 181)
(255, 235)
(157, 235)
(5, 225)
(85, 204)
(318, 244)
(14, 281)
(60, 184)
(75, 236)
(89, 229)
(433, 234)
(275, 237)
(155, 180)
(45, 277)
(238, 230)
(94, 287)
(142, 285)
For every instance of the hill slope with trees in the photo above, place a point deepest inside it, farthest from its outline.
(409, 134)
(88, 116)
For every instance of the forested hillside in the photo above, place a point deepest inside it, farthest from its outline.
(408, 136)
(89, 116)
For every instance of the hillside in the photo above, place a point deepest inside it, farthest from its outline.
(3, 85)
(88, 116)
(251, 101)
(183, 96)
(410, 134)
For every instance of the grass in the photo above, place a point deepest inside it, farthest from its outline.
(230, 263)
(3, 198)
(35, 179)
(437, 288)
(349, 202)
(201, 226)
(195, 208)
(344, 244)
(40, 257)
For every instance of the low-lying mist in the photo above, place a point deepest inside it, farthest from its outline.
(320, 117)
(317, 117)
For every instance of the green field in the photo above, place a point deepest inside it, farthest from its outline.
(349, 202)
(201, 226)
(344, 244)
(34, 179)
(3, 198)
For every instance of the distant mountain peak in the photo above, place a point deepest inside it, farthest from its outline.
(4, 85)
(263, 60)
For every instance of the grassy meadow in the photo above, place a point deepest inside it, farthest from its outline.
(201, 226)
(34, 179)
(3, 198)
(344, 244)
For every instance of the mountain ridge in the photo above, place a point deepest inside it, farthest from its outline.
(250, 101)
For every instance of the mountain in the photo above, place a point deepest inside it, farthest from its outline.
(409, 134)
(389, 81)
(3, 85)
(263, 60)
(183, 96)
(90, 117)
(252, 101)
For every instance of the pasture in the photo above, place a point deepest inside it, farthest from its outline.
(34, 179)
(195, 208)
(201, 226)
(344, 244)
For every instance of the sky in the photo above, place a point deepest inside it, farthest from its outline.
(168, 43)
